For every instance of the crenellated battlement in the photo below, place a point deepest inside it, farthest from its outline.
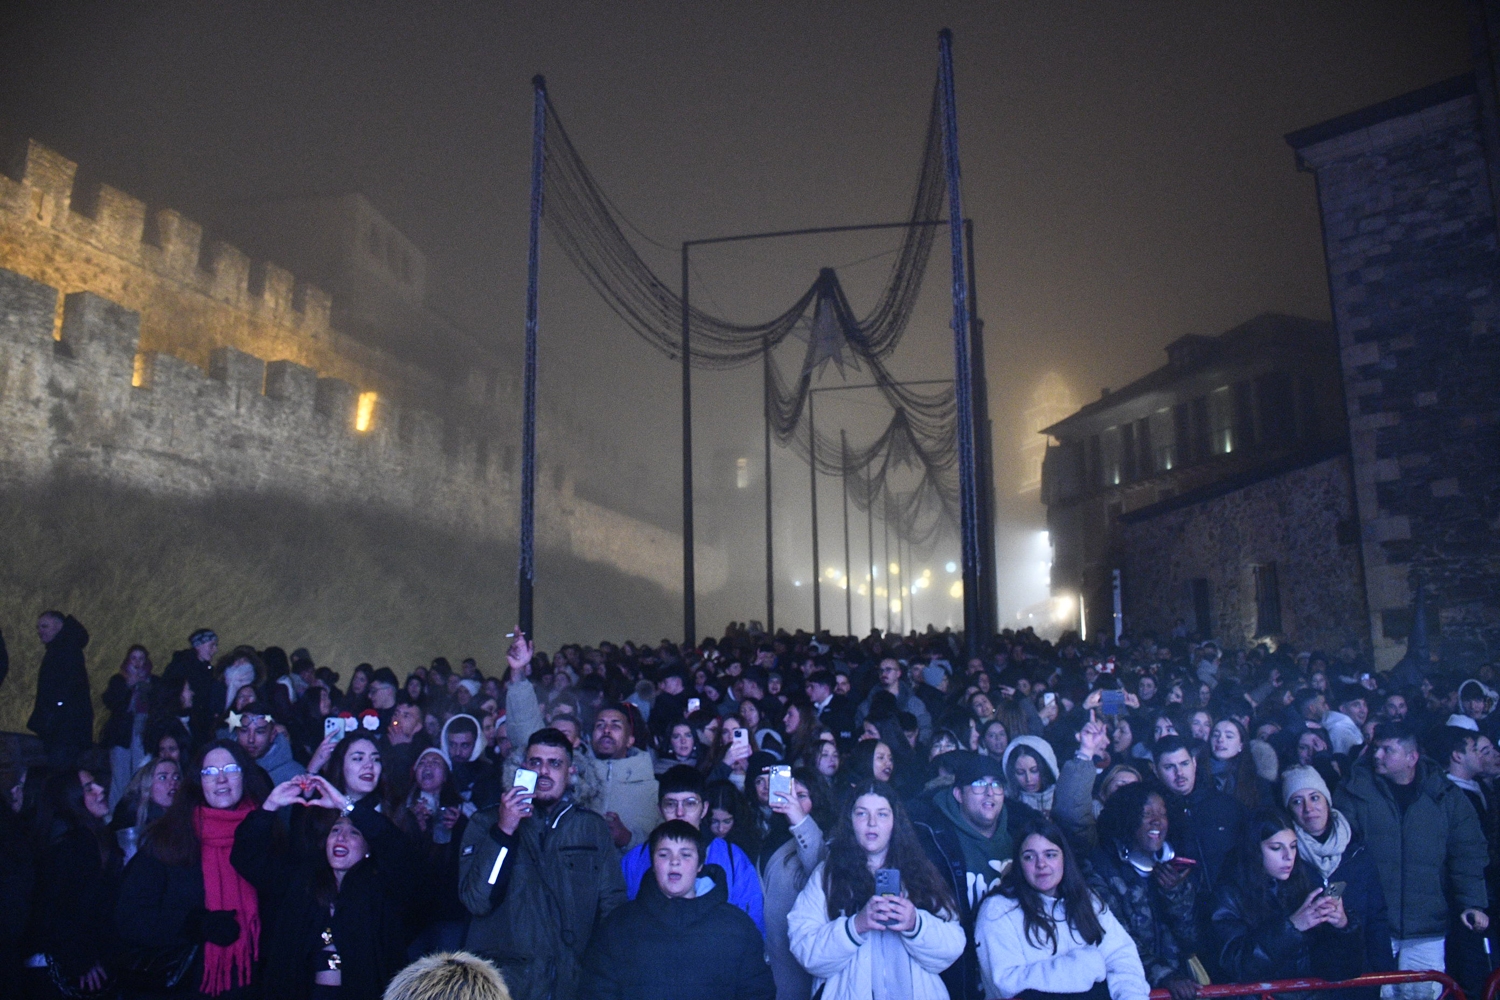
(94, 403)
(162, 241)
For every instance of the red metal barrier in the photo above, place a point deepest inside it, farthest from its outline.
(1492, 985)
(1267, 991)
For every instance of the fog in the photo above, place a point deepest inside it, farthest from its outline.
(1123, 163)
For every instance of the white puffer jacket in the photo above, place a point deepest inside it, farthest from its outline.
(843, 963)
(1010, 963)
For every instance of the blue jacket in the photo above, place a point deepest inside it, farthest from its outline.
(744, 882)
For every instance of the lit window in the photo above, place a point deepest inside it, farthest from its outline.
(364, 414)
(741, 473)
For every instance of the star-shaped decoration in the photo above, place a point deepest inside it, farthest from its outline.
(235, 720)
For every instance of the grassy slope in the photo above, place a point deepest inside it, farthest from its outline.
(349, 585)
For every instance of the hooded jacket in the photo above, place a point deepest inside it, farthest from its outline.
(942, 831)
(64, 712)
(468, 771)
(626, 787)
(740, 880)
(1040, 801)
(560, 875)
(655, 948)
(1436, 845)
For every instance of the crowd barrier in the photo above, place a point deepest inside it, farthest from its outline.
(1266, 991)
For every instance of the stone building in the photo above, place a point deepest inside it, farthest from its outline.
(1406, 191)
(1217, 487)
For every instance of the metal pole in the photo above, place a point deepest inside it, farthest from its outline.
(870, 536)
(526, 570)
(963, 370)
(812, 466)
(770, 562)
(984, 449)
(848, 575)
(689, 602)
(885, 529)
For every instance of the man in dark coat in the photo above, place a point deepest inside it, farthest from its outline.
(539, 873)
(833, 710)
(195, 666)
(968, 832)
(1205, 821)
(1427, 844)
(64, 713)
(680, 936)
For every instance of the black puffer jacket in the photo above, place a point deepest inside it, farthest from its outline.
(655, 948)
(1255, 940)
(369, 916)
(64, 713)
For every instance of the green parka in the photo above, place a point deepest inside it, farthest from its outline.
(1431, 860)
(560, 878)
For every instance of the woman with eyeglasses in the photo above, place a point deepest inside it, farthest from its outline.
(187, 919)
(1042, 932)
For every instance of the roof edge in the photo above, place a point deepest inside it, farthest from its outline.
(1396, 107)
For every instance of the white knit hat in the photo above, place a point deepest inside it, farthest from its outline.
(1297, 779)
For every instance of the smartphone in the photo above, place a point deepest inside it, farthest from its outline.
(1112, 701)
(693, 705)
(1336, 890)
(888, 882)
(741, 737)
(1049, 698)
(333, 726)
(781, 783)
(525, 779)
(1181, 862)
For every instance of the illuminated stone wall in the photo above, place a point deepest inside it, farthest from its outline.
(1297, 520)
(188, 369)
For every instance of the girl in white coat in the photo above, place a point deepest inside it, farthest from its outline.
(1042, 932)
(861, 946)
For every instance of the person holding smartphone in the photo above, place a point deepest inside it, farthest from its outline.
(859, 943)
(1335, 853)
(1272, 919)
(538, 873)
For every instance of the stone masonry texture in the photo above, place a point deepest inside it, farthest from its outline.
(1410, 238)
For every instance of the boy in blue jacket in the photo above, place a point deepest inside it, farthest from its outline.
(681, 796)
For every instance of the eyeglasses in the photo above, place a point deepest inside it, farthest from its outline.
(214, 772)
(987, 784)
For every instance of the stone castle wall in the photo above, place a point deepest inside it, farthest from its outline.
(1410, 237)
(181, 366)
(94, 404)
(1291, 519)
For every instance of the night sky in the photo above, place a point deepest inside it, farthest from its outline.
(1124, 162)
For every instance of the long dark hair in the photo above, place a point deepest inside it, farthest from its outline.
(1260, 892)
(334, 769)
(847, 879)
(1036, 913)
(173, 839)
(61, 809)
(724, 796)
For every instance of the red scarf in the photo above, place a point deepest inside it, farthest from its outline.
(223, 889)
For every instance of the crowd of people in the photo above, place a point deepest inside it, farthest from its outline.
(791, 816)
